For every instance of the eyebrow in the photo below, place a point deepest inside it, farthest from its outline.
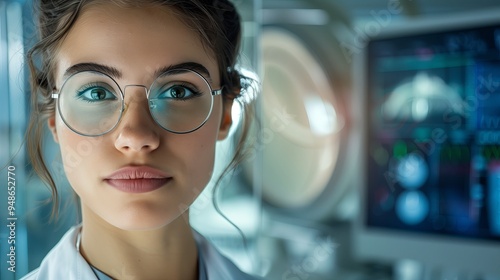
(90, 66)
(194, 66)
(115, 73)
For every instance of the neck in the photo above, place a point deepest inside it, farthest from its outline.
(166, 253)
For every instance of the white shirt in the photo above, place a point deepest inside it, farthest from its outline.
(65, 262)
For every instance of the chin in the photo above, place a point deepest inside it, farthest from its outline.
(141, 220)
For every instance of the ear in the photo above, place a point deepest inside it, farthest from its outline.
(227, 119)
(51, 123)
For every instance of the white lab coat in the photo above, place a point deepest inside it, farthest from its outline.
(65, 262)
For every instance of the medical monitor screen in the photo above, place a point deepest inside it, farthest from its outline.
(433, 115)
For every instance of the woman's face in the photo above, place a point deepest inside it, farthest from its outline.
(137, 42)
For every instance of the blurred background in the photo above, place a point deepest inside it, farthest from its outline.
(375, 154)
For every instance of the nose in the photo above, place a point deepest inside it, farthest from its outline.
(137, 131)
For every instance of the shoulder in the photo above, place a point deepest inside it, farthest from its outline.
(75, 267)
(217, 265)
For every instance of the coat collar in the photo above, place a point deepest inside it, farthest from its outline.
(65, 262)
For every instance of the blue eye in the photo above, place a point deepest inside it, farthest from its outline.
(95, 94)
(178, 92)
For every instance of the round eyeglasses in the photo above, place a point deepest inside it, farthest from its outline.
(92, 103)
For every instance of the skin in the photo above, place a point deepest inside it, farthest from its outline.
(147, 235)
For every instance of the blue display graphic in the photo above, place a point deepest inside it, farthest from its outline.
(434, 133)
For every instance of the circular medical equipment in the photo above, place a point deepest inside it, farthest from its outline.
(305, 144)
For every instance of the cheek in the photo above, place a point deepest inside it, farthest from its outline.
(196, 151)
(78, 153)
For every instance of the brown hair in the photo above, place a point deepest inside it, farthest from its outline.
(216, 21)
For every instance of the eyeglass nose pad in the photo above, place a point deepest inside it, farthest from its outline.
(152, 105)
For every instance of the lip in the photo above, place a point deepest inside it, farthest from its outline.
(137, 179)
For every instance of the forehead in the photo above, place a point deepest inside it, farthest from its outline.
(135, 40)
